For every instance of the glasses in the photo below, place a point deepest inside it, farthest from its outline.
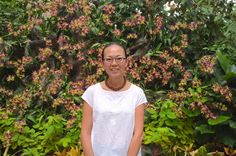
(117, 59)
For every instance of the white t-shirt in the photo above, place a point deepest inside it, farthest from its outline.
(113, 118)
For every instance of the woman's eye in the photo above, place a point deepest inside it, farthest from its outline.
(108, 59)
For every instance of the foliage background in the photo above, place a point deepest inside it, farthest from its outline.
(182, 53)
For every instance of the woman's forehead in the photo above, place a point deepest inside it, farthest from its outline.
(114, 50)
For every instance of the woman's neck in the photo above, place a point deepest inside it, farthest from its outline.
(115, 83)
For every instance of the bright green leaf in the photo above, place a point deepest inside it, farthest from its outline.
(218, 120)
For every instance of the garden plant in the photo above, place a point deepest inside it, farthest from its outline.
(182, 53)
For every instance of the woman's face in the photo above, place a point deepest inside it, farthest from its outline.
(114, 61)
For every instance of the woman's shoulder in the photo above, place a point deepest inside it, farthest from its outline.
(136, 87)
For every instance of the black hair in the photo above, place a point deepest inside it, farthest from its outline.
(113, 43)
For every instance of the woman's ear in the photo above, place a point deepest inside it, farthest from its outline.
(127, 62)
(128, 59)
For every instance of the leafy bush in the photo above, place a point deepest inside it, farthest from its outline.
(50, 52)
(167, 127)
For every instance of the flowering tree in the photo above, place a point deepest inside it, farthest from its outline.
(180, 52)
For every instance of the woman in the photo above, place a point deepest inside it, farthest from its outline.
(113, 111)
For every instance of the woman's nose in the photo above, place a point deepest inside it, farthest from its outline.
(113, 62)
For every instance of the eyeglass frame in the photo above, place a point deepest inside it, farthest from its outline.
(117, 59)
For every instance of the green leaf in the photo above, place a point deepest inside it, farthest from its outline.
(207, 10)
(183, 1)
(95, 30)
(31, 118)
(191, 113)
(199, 89)
(65, 142)
(233, 68)
(204, 99)
(96, 45)
(77, 99)
(225, 63)
(205, 129)
(202, 151)
(50, 132)
(171, 115)
(218, 120)
(151, 111)
(228, 138)
(230, 75)
(232, 124)
(121, 5)
(232, 27)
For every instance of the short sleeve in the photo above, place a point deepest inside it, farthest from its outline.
(141, 99)
(88, 96)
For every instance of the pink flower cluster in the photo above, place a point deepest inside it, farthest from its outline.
(203, 108)
(19, 103)
(117, 32)
(70, 122)
(158, 24)
(39, 76)
(19, 125)
(54, 86)
(196, 83)
(206, 64)
(80, 25)
(67, 103)
(7, 135)
(85, 6)
(2, 58)
(183, 82)
(192, 26)
(107, 19)
(178, 50)
(223, 90)
(109, 9)
(220, 106)
(44, 53)
(132, 36)
(6, 92)
(76, 88)
(178, 96)
(150, 69)
(137, 19)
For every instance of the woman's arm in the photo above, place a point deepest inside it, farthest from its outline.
(86, 128)
(138, 131)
